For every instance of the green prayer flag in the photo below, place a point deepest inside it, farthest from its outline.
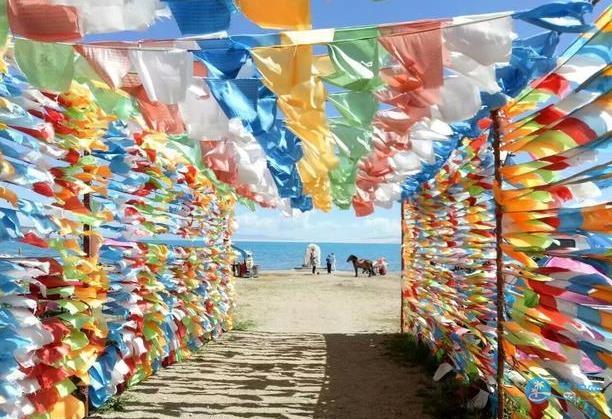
(83, 72)
(48, 66)
(138, 376)
(357, 108)
(114, 103)
(356, 33)
(188, 147)
(75, 320)
(356, 64)
(73, 307)
(352, 142)
(61, 291)
(4, 25)
(76, 340)
(532, 299)
(65, 387)
(342, 180)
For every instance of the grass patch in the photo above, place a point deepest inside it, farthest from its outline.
(114, 404)
(243, 325)
(406, 349)
(444, 399)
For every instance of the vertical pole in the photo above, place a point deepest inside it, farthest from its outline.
(87, 227)
(402, 276)
(82, 388)
(497, 185)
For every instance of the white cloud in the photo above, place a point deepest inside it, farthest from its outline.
(335, 227)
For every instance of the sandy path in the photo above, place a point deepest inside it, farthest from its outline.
(301, 358)
(303, 303)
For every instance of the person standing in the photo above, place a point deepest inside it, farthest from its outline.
(328, 261)
(313, 261)
(333, 262)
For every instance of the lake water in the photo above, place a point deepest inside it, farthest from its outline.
(288, 255)
(268, 255)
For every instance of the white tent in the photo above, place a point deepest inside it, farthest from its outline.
(310, 249)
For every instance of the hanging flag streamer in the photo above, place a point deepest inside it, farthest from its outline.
(398, 104)
(449, 251)
(277, 14)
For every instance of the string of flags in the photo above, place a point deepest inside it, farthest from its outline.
(358, 126)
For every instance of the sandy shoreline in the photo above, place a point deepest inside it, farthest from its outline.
(299, 302)
(322, 271)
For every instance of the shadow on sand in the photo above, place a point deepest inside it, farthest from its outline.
(270, 375)
(361, 381)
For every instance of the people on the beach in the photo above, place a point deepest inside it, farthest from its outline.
(249, 264)
(313, 260)
(328, 261)
(380, 266)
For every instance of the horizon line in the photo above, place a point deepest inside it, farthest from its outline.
(312, 241)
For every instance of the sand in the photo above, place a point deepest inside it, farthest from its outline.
(299, 302)
(314, 347)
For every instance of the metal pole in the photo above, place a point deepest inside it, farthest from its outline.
(495, 116)
(402, 276)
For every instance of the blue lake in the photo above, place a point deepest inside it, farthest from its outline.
(288, 255)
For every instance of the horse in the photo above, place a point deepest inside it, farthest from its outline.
(364, 264)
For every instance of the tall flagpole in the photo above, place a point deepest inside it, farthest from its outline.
(499, 265)
(82, 388)
(402, 276)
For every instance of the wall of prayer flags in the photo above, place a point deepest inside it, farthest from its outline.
(557, 221)
(114, 249)
(449, 254)
(556, 216)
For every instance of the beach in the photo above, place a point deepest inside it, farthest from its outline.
(299, 302)
(304, 346)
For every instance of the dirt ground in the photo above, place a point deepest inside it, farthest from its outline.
(308, 347)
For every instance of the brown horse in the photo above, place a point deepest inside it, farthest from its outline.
(364, 264)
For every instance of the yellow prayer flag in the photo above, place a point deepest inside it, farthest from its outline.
(277, 14)
(289, 72)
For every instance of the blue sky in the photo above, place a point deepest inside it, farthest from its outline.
(342, 226)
